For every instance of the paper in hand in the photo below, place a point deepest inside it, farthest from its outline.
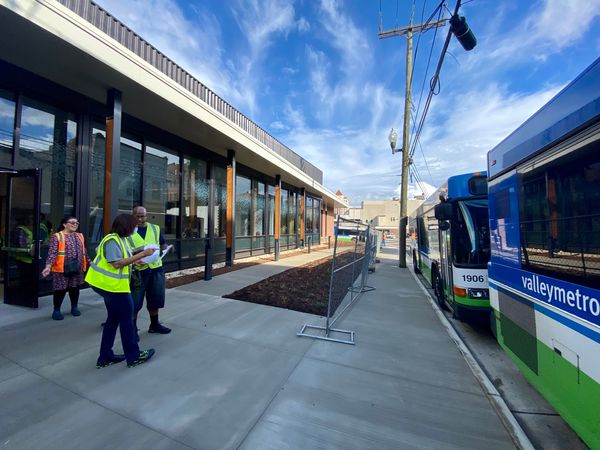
(165, 251)
(154, 257)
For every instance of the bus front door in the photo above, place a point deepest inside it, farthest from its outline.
(446, 264)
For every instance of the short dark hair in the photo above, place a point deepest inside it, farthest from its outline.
(64, 220)
(123, 225)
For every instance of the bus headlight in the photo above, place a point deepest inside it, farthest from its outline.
(479, 293)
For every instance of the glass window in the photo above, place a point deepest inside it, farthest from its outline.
(308, 215)
(220, 176)
(243, 206)
(130, 176)
(49, 141)
(284, 211)
(259, 208)
(317, 216)
(471, 233)
(161, 188)
(7, 124)
(271, 194)
(560, 217)
(292, 213)
(195, 198)
(96, 184)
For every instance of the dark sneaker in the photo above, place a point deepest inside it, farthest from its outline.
(160, 329)
(144, 356)
(56, 315)
(75, 311)
(109, 362)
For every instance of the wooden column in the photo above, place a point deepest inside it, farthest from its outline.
(230, 225)
(112, 158)
(277, 225)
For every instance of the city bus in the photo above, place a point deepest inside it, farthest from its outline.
(451, 247)
(544, 195)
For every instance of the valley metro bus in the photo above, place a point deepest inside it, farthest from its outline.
(451, 246)
(544, 194)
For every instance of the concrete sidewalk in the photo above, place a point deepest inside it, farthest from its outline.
(234, 375)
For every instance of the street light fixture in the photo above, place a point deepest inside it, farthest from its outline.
(393, 138)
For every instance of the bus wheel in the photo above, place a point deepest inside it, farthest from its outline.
(415, 266)
(436, 281)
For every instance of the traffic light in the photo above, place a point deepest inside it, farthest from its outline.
(460, 29)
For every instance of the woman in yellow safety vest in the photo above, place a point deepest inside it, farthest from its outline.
(109, 275)
(68, 261)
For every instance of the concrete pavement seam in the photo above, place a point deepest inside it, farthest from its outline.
(507, 417)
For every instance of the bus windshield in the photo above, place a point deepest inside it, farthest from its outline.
(471, 233)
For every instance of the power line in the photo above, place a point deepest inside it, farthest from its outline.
(434, 82)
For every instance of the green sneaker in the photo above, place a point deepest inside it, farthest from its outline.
(144, 356)
(101, 363)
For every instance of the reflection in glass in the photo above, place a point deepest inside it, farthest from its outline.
(49, 142)
(271, 210)
(7, 123)
(284, 211)
(220, 177)
(243, 206)
(195, 199)
(130, 175)
(258, 193)
(308, 213)
(292, 213)
(96, 185)
(161, 188)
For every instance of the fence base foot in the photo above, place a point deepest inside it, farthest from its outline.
(349, 341)
(360, 290)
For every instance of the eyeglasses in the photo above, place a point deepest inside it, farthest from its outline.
(73, 222)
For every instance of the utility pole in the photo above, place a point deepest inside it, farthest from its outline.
(406, 160)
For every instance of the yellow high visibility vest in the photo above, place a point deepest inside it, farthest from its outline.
(103, 275)
(24, 254)
(137, 242)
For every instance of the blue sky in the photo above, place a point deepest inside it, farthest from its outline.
(316, 76)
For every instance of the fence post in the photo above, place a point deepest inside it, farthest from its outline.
(309, 242)
(328, 242)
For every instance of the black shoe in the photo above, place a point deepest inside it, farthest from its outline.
(160, 329)
(109, 362)
(144, 356)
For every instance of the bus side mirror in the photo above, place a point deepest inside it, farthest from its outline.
(443, 211)
(444, 226)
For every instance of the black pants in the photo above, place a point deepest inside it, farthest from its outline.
(59, 296)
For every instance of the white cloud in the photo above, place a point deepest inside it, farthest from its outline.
(551, 27)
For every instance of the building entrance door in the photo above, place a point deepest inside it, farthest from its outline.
(22, 238)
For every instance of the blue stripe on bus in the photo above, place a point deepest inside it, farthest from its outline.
(581, 329)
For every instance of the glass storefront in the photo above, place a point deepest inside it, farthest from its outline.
(173, 185)
(7, 125)
(48, 141)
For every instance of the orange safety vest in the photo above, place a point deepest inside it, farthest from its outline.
(59, 262)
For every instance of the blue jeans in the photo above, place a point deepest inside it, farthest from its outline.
(119, 306)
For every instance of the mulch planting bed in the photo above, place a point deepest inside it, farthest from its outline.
(304, 288)
(190, 278)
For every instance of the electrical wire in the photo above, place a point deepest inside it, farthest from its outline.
(433, 83)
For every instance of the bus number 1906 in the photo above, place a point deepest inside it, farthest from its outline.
(473, 278)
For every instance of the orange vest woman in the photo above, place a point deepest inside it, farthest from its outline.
(59, 262)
